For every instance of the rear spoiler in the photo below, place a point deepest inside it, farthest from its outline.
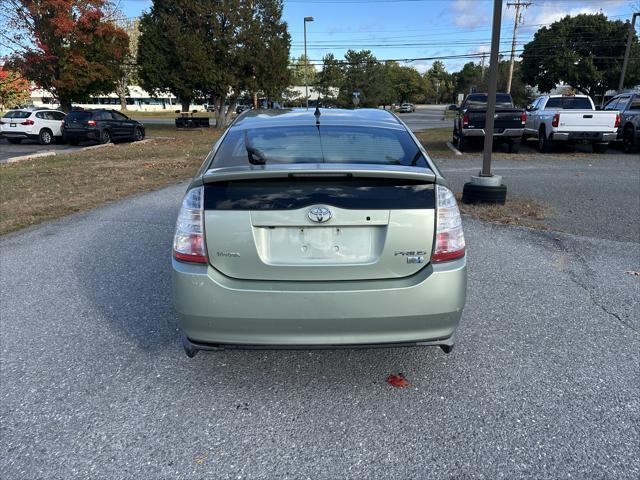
(316, 170)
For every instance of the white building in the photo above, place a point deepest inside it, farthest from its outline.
(138, 100)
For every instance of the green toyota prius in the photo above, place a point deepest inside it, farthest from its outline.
(318, 229)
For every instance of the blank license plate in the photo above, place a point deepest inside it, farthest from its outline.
(318, 245)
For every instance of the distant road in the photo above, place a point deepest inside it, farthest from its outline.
(425, 117)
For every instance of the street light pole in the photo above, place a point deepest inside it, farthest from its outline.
(491, 94)
(486, 187)
(625, 62)
(306, 61)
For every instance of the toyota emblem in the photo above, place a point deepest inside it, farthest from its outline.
(319, 214)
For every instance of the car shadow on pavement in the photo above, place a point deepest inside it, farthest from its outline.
(130, 284)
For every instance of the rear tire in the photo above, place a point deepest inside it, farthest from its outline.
(138, 135)
(105, 137)
(45, 137)
(599, 147)
(15, 141)
(544, 144)
(629, 143)
(514, 146)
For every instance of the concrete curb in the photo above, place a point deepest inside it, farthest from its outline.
(23, 158)
(29, 157)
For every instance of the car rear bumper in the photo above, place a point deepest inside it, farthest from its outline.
(505, 133)
(31, 136)
(81, 134)
(217, 311)
(587, 137)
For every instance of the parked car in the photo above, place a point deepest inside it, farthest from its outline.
(470, 121)
(628, 104)
(103, 126)
(570, 119)
(43, 125)
(307, 230)
(407, 108)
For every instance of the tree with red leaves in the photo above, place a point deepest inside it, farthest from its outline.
(14, 90)
(67, 47)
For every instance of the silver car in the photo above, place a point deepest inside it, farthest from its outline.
(309, 229)
(407, 108)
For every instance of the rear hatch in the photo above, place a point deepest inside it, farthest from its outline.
(77, 120)
(319, 222)
(13, 122)
(587, 121)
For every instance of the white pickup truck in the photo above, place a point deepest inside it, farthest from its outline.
(570, 119)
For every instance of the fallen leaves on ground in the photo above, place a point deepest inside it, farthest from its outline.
(398, 381)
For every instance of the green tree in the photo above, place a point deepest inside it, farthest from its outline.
(74, 51)
(173, 52)
(408, 84)
(298, 69)
(362, 72)
(262, 51)
(584, 51)
(469, 78)
(216, 50)
(441, 82)
(330, 78)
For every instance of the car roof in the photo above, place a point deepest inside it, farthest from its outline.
(362, 117)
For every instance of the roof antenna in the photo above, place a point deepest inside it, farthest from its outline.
(317, 112)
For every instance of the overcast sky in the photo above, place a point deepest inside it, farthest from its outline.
(405, 29)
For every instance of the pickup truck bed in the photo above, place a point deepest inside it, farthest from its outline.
(550, 124)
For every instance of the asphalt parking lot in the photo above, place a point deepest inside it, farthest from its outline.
(543, 384)
(29, 147)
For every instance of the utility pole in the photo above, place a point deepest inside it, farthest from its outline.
(517, 21)
(625, 63)
(306, 61)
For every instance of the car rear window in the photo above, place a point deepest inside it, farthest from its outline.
(569, 103)
(78, 117)
(479, 100)
(318, 144)
(17, 114)
(293, 193)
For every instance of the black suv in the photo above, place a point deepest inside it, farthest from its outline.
(103, 126)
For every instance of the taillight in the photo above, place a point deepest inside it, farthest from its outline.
(449, 235)
(617, 120)
(91, 123)
(523, 118)
(28, 122)
(188, 242)
(465, 120)
(556, 120)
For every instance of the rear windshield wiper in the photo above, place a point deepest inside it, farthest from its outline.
(256, 156)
